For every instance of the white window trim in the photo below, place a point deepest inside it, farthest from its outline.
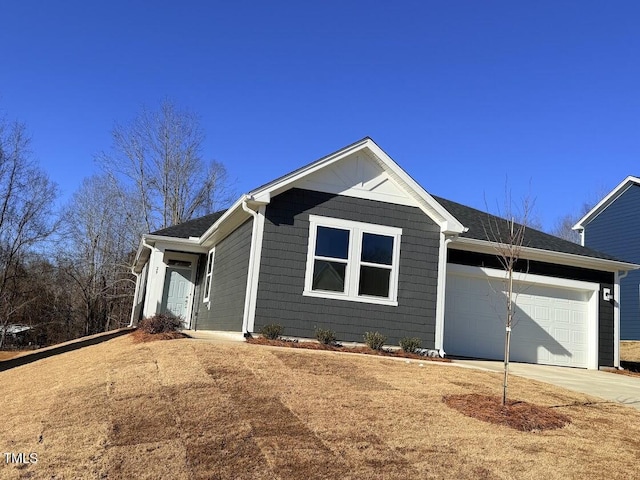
(352, 272)
(208, 275)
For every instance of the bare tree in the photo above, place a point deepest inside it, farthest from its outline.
(563, 227)
(507, 236)
(158, 161)
(101, 236)
(27, 198)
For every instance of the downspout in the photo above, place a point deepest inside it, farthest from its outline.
(616, 317)
(137, 290)
(247, 297)
(445, 240)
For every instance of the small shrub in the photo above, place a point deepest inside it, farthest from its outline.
(325, 336)
(410, 345)
(272, 331)
(160, 323)
(374, 340)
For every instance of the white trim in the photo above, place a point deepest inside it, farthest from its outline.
(603, 204)
(561, 258)
(353, 262)
(208, 275)
(529, 278)
(257, 255)
(593, 290)
(616, 317)
(441, 291)
(425, 202)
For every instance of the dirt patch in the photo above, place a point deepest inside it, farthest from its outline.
(518, 415)
(6, 355)
(335, 348)
(140, 336)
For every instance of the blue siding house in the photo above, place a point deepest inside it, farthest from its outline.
(613, 227)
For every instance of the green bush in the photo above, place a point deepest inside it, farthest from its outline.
(160, 323)
(410, 345)
(272, 331)
(325, 336)
(374, 340)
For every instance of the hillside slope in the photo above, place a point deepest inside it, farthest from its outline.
(197, 410)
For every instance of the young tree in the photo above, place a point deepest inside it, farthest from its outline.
(157, 161)
(507, 235)
(27, 196)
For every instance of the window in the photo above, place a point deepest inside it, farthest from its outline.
(352, 261)
(208, 276)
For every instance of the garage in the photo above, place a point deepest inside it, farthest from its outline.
(555, 321)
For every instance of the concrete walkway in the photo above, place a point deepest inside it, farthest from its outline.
(609, 386)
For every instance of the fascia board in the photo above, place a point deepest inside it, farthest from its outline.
(230, 211)
(447, 222)
(272, 189)
(182, 244)
(561, 258)
(606, 201)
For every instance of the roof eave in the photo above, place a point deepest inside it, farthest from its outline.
(561, 258)
(606, 201)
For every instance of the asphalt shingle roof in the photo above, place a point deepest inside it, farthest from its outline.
(478, 223)
(190, 228)
(475, 220)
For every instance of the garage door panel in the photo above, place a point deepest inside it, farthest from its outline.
(550, 324)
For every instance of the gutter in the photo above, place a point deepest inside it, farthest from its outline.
(571, 259)
(143, 244)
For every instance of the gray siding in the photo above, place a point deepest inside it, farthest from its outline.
(283, 264)
(616, 231)
(228, 285)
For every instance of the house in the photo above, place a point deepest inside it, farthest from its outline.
(613, 226)
(352, 243)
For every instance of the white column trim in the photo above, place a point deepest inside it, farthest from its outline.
(441, 292)
(256, 246)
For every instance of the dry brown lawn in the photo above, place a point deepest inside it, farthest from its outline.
(198, 410)
(7, 354)
(630, 351)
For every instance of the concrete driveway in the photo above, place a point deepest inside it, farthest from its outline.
(609, 386)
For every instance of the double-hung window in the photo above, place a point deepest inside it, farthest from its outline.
(208, 276)
(352, 261)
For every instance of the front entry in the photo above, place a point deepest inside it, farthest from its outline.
(177, 291)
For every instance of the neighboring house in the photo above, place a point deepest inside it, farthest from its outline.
(353, 244)
(613, 226)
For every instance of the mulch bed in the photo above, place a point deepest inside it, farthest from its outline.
(334, 348)
(140, 336)
(518, 415)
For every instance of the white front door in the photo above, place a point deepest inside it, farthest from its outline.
(177, 292)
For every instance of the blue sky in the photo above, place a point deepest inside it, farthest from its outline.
(462, 94)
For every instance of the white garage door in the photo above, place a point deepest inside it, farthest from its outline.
(551, 324)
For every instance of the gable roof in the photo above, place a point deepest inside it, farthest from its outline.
(448, 223)
(455, 220)
(190, 228)
(606, 201)
(477, 221)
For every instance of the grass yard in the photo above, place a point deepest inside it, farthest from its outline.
(198, 410)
